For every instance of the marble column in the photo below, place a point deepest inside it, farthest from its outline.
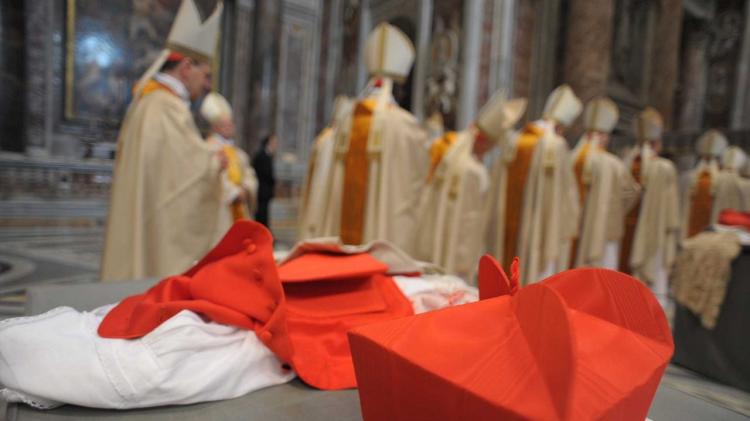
(694, 78)
(666, 58)
(265, 69)
(742, 97)
(522, 48)
(13, 75)
(588, 47)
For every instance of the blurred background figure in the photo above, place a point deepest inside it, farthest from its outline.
(263, 164)
(239, 185)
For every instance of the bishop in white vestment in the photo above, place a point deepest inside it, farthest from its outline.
(167, 179)
(381, 158)
(533, 208)
(606, 189)
(451, 220)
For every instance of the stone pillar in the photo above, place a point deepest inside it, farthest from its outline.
(588, 47)
(470, 64)
(742, 95)
(13, 75)
(265, 69)
(666, 56)
(692, 95)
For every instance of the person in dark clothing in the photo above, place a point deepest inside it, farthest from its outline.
(263, 165)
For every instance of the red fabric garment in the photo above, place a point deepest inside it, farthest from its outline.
(236, 284)
(327, 295)
(583, 344)
(735, 218)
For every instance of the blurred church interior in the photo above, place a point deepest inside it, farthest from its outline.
(68, 67)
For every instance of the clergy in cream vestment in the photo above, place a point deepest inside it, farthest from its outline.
(532, 211)
(699, 188)
(316, 194)
(731, 187)
(167, 179)
(652, 227)
(451, 220)
(239, 187)
(381, 158)
(606, 189)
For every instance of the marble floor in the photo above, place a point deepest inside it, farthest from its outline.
(65, 255)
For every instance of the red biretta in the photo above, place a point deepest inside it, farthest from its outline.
(583, 344)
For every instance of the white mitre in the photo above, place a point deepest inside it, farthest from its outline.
(499, 115)
(734, 159)
(601, 115)
(215, 108)
(648, 125)
(389, 53)
(188, 36)
(562, 106)
(711, 144)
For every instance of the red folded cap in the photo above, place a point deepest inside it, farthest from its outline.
(327, 295)
(735, 218)
(583, 344)
(236, 284)
(315, 266)
(175, 56)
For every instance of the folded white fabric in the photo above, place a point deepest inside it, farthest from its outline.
(57, 357)
(433, 292)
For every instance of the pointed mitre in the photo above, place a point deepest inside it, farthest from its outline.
(563, 106)
(215, 108)
(191, 37)
(601, 115)
(734, 159)
(499, 115)
(648, 125)
(712, 143)
(389, 52)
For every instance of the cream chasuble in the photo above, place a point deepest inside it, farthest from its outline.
(451, 223)
(377, 174)
(315, 197)
(166, 191)
(532, 210)
(731, 193)
(607, 191)
(238, 176)
(698, 198)
(656, 226)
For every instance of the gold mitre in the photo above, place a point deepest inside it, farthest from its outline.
(734, 158)
(711, 143)
(648, 125)
(215, 108)
(389, 53)
(499, 115)
(562, 106)
(601, 115)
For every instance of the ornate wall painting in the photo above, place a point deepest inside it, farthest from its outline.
(108, 49)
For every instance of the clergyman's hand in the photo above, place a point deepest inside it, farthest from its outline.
(223, 160)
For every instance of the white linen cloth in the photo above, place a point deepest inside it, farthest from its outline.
(57, 357)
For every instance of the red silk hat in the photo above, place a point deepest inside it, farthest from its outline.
(583, 344)
(327, 294)
(236, 284)
(735, 218)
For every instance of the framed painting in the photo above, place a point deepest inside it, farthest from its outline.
(107, 49)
